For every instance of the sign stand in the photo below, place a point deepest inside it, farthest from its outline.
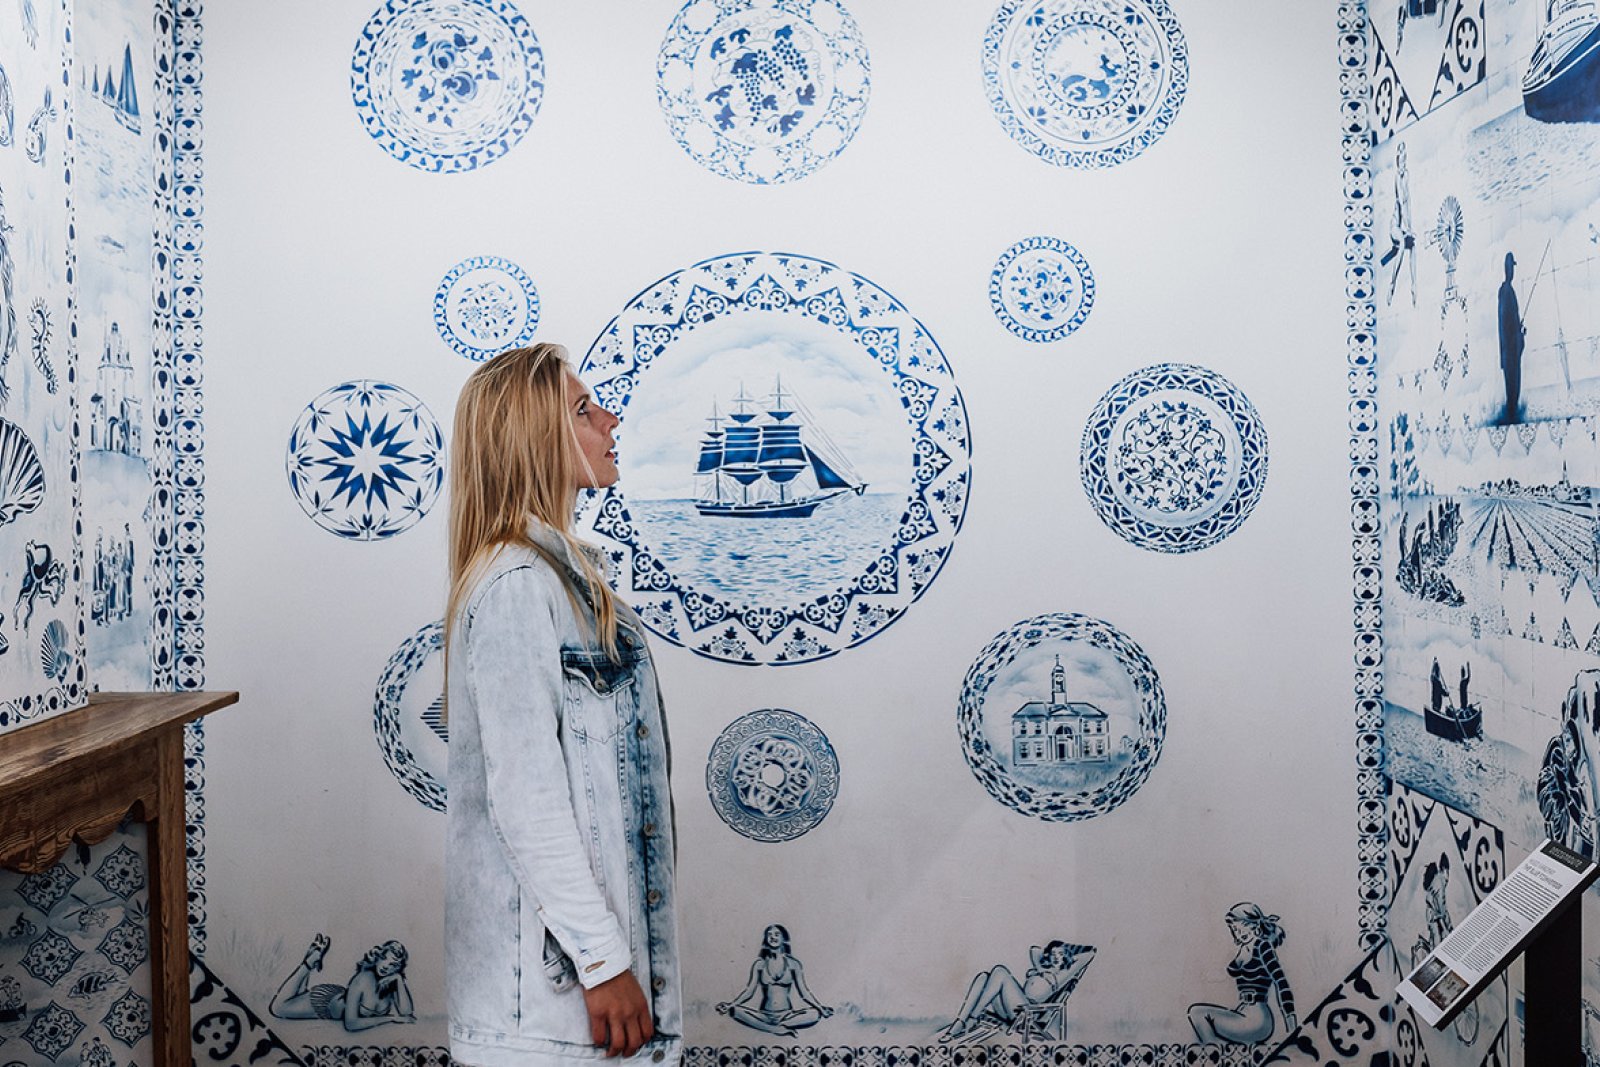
(1552, 982)
(1536, 911)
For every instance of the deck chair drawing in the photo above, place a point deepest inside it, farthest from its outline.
(1041, 1014)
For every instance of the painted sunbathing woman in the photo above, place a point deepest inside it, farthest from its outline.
(376, 993)
(995, 997)
(779, 978)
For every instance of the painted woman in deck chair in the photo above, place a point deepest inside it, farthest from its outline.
(995, 997)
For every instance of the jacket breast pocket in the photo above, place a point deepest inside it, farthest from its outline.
(600, 693)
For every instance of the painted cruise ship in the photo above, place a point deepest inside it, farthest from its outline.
(1563, 79)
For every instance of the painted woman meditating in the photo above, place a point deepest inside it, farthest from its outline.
(1259, 976)
(779, 979)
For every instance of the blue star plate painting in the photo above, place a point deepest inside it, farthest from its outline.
(408, 716)
(1174, 458)
(1042, 289)
(763, 92)
(447, 85)
(1085, 83)
(772, 775)
(1062, 717)
(366, 460)
(484, 306)
(794, 453)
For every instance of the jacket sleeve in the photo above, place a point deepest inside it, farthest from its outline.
(513, 646)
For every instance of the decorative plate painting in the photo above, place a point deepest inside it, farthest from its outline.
(1174, 458)
(1062, 717)
(772, 775)
(763, 92)
(1085, 83)
(447, 85)
(794, 454)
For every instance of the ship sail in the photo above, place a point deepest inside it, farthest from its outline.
(827, 477)
(770, 461)
(127, 93)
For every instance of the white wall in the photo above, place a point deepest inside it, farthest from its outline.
(1219, 246)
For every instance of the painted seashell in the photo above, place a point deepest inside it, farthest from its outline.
(53, 651)
(21, 475)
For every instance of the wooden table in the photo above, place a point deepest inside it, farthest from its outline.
(74, 777)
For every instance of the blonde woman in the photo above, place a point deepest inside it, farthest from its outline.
(560, 933)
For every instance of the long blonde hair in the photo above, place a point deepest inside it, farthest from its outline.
(514, 457)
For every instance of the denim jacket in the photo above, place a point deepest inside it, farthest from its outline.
(559, 850)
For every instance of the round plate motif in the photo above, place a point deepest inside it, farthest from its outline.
(1174, 458)
(447, 85)
(1042, 289)
(763, 92)
(1062, 717)
(484, 306)
(772, 775)
(1085, 83)
(785, 526)
(408, 716)
(366, 460)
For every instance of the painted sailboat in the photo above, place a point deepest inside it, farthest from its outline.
(121, 96)
(1562, 83)
(779, 466)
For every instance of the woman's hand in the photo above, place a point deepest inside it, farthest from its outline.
(619, 1015)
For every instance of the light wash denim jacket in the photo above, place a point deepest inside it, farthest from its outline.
(559, 851)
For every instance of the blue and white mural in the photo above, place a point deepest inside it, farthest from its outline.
(1062, 717)
(1174, 458)
(763, 92)
(408, 716)
(1422, 55)
(772, 775)
(786, 524)
(1085, 83)
(75, 958)
(366, 460)
(1032, 1008)
(39, 463)
(447, 85)
(1042, 289)
(484, 306)
(123, 340)
(776, 999)
(1484, 218)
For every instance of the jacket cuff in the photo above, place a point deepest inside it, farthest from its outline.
(604, 963)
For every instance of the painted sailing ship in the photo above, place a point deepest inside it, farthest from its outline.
(781, 467)
(1563, 79)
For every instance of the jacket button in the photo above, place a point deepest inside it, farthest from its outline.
(653, 898)
(642, 732)
(649, 829)
(657, 1056)
(658, 984)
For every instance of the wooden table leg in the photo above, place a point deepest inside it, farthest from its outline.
(169, 911)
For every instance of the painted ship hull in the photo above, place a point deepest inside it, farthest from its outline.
(766, 509)
(1454, 724)
(1566, 88)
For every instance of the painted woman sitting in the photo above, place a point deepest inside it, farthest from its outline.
(779, 978)
(996, 997)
